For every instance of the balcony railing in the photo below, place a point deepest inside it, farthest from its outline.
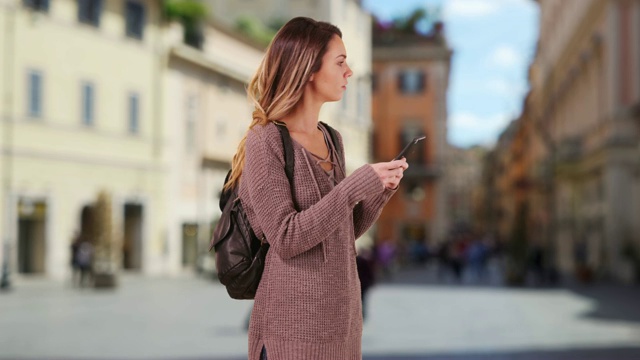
(424, 171)
(569, 150)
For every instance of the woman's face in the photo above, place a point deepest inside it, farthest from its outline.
(330, 82)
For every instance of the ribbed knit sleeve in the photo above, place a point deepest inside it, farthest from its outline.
(289, 232)
(368, 211)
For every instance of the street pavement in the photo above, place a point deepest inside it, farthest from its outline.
(411, 317)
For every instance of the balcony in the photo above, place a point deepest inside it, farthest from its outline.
(423, 171)
(570, 150)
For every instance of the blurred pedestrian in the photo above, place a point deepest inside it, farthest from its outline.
(75, 268)
(536, 263)
(84, 261)
(364, 263)
(386, 253)
(456, 258)
(476, 254)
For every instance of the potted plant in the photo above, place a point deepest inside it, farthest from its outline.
(106, 256)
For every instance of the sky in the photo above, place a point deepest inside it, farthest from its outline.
(493, 43)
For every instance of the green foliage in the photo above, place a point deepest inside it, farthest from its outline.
(255, 30)
(421, 20)
(276, 24)
(189, 11)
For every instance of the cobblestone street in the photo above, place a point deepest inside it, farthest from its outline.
(411, 318)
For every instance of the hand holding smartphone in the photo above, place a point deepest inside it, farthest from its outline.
(406, 149)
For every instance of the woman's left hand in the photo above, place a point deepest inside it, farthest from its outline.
(391, 172)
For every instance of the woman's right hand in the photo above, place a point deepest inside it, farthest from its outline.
(391, 172)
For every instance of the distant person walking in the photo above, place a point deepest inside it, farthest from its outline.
(385, 256)
(84, 260)
(75, 268)
(364, 263)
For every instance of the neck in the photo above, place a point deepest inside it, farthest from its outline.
(304, 117)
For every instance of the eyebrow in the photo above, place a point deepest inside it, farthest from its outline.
(341, 55)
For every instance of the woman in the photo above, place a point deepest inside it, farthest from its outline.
(308, 303)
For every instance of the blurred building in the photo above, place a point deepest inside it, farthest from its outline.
(502, 195)
(464, 173)
(207, 113)
(108, 95)
(410, 81)
(80, 110)
(585, 110)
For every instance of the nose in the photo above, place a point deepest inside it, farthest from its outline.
(348, 73)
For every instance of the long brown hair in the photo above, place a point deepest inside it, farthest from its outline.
(295, 53)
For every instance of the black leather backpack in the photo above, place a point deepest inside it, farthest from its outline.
(240, 255)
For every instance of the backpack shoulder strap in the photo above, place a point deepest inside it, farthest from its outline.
(289, 159)
(225, 195)
(334, 139)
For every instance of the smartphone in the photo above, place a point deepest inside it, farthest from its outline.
(406, 149)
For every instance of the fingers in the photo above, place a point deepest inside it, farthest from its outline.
(399, 163)
(393, 183)
(391, 172)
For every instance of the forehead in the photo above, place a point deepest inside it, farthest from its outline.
(336, 47)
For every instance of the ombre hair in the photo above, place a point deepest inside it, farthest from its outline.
(294, 54)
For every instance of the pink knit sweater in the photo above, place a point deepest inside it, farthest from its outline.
(308, 303)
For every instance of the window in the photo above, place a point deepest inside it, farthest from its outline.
(410, 131)
(134, 113)
(411, 81)
(38, 5)
(134, 11)
(194, 35)
(88, 104)
(89, 11)
(35, 94)
(190, 130)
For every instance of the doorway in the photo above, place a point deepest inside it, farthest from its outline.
(189, 245)
(31, 237)
(132, 244)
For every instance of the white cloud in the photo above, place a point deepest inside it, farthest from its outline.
(505, 88)
(480, 8)
(499, 86)
(469, 8)
(469, 129)
(505, 56)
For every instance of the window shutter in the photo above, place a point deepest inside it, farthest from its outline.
(422, 84)
(97, 10)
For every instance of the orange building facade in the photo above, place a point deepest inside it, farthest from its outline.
(410, 81)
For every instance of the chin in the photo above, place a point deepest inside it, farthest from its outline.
(333, 97)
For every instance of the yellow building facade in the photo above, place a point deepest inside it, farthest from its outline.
(80, 115)
(207, 113)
